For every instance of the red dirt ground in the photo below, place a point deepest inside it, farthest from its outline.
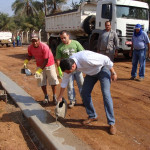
(131, 106)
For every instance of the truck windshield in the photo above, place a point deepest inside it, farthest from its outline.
(130, 12)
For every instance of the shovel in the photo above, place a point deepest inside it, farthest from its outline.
(26, 71)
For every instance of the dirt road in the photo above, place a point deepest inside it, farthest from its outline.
(131, 105)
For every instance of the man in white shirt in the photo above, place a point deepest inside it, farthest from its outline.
(96, 67)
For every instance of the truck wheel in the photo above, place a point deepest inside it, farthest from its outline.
(93, 46)
(53, 46)
(85, 45)
(89, 24)
(126, 55)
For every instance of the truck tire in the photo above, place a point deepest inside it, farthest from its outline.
(86, 45)
(89, 24)
(93, 46)
(126, 55)
(53, 45)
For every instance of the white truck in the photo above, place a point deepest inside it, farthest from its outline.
(86, 23)
(5, 38)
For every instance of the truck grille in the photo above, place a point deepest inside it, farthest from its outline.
(129, 30)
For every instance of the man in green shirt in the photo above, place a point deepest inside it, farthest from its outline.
(65, 50)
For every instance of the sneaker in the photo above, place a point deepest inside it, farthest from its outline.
(72, 103)
(55, 100)
(112, 129)
(46, 100)
(132, 78)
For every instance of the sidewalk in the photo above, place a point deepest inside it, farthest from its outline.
(53, 135)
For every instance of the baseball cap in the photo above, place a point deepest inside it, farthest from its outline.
(138, 26)
(34, 36)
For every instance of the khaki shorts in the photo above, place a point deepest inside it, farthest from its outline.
(48, 74)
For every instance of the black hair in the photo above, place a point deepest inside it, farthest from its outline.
(66, 64)
(64, 31)
(107, 22)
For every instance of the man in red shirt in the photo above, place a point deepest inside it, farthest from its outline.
(45, 66)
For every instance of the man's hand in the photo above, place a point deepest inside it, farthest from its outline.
(114, 76)
(59, 98)
(25, 63)
(24, 66)
(38, 73)
(60, 72)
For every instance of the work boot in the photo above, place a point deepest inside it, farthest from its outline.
(112, 129)
(133, 78)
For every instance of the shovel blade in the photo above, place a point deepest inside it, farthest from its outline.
(23, 71)
(28, 72)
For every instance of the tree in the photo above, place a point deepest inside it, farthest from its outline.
(27, 7)
(6, 22)
(75, 5)
(53, 6)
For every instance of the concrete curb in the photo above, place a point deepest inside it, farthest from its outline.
(46, 138)
(54, 136)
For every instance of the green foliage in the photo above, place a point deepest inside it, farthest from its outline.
(27, 7)
(53, 6)
(6, 23)
(75, 5)
(28, 15)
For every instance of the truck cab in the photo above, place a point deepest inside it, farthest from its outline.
(124, 15)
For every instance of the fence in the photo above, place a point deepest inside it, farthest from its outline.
(25, 36)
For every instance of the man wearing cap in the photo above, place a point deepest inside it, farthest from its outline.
(45, 66)
(138, 48)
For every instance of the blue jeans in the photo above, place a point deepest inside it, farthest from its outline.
(78, 76)
(17, 42)
(13, 43)
(104, 77)
(138, 56)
